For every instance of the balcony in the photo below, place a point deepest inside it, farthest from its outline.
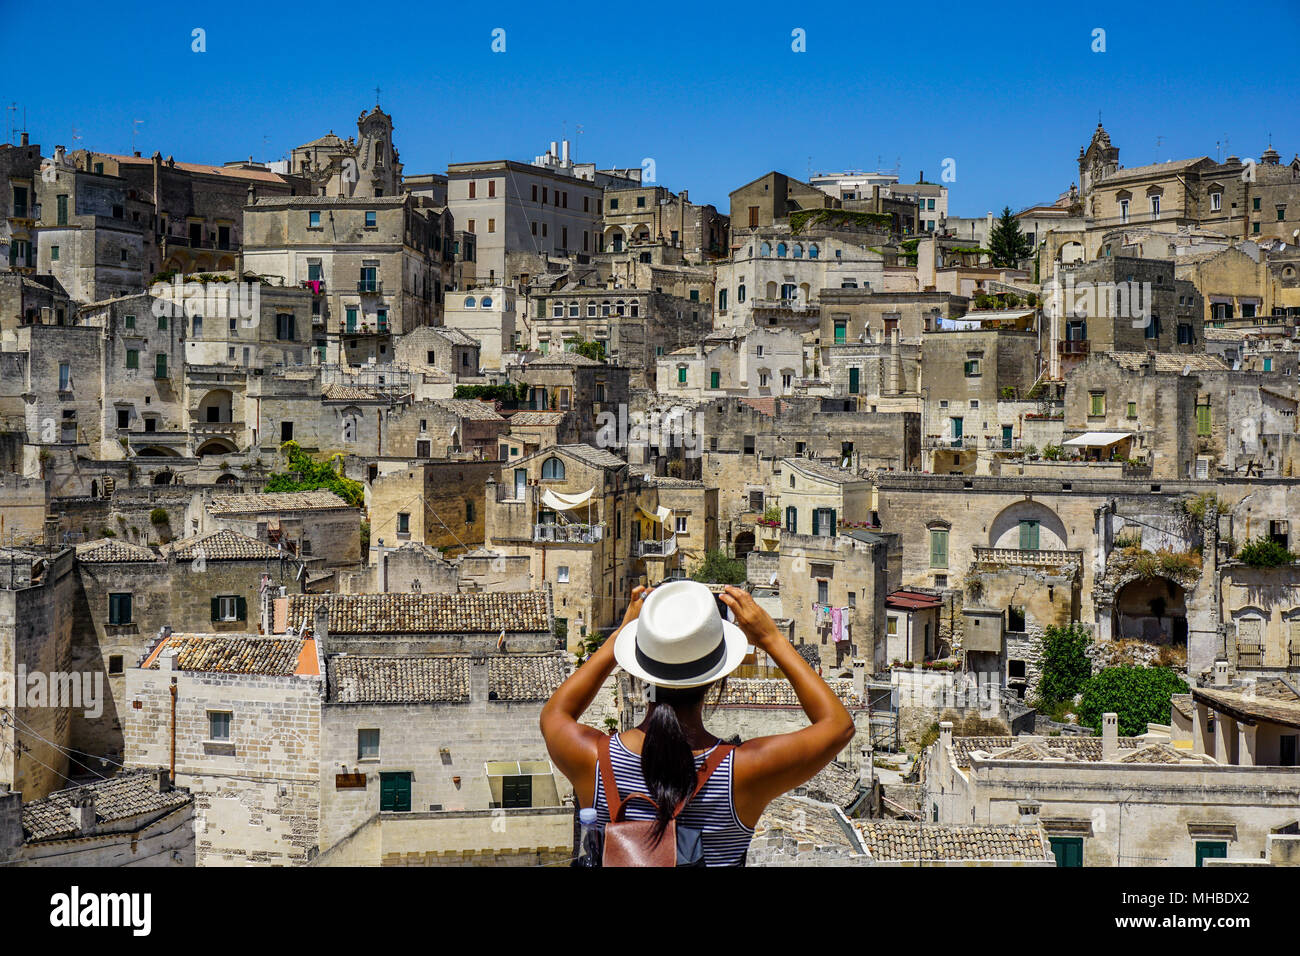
(316, 286)
(363, 328)
(1027, 557)
(568, 533)
(1250, 655)
(657, 549)
(370, 286)
(1074, 347)
(965, 441)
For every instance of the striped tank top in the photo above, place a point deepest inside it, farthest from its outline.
(723, 838)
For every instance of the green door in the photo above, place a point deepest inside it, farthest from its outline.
(395, 791)
(1207, 849)
(1029, 536)
(1067, 850)
(853, 381)
(1007, 435)
(516, 791)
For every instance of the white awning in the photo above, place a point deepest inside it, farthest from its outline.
(661, 515)
(1098, 439)
(559, 502)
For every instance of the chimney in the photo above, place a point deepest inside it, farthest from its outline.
(1109, 738)
(381, 567)
(945, 736)
(865, 766)
(82, 810)
(24, 140)
(59, 154)
(167, 659)
(162, 780)
(564, 156)
(553, 154)
(1221, 673)
(685, 196)
(320, 628)
(859, 678)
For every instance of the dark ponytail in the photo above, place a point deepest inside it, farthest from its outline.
(667, 762)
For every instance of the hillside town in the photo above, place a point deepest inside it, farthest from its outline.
(318, 477)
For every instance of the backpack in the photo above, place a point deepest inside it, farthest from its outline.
(629, 842)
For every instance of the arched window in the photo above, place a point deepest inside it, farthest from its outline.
(722, 299)
(765, 249)
(740, 293)
(798, 251)
(780, 250)
(553, 469)
(469, 302)
(486, 303)
(812, 251)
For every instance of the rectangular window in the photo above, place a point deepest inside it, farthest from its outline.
(681, 375)
(1132, 409)
(119, 608)
(219, 725)
(1203, 420)
(367, 744)
(54, 253)
(853, 380)
(1096, 404)
(1211, 849)
(972, 368)
(286, 431)
(226, 608)
(370, 219)
(404, 523)
(160, 365)
(285, 327)
(841, 331)
(1029, 536)
(681, 524)
(492, 188)
(715, 378)
(65, 376)
(313, 220)
(938, 548)
(562, 574)
(162, 323)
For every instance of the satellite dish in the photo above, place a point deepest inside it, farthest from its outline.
(1187, 369)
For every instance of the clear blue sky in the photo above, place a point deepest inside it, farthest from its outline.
(713, 94)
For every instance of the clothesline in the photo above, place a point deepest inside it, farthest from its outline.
(836, 617)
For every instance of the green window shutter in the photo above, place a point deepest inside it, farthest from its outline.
(132, 358)
(853, 381)
(816, 520)
(938, 549)
(834, 524)
(1029, 536)
(160, 365)
(1068, 851)
(715, 378)
(792, 519)
(216, 609)
(241, 608)
(1208, 850)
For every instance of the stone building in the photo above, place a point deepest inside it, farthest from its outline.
(1260, 611)
(523, 216)
(436, 503)
(490, 315)
(1111, 801)
(135, 818)
(636, 327)
(365, 166)
(738, 362)
(656, 225)
(446, 428)
(127, 594)
(36, 635)
(571, 382)
(246, 738)
(305, 523)
(20, 170)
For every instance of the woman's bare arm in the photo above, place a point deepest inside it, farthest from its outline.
(571, 744)
(767, 767)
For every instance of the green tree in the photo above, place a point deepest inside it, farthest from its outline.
(717, 568)
(1065, 666)
(592, 350)
(304, 473)
(1007, 243)
(1264, 553)
(1138, 695)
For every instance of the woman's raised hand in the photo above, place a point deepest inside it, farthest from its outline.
(750, 618)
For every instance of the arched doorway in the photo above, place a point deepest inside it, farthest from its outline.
(163, 478)
(1152, 610)
(217, 406)
(215, 446)
(226, 479)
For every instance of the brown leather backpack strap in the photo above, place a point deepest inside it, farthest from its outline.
(607, 781)
(711, 763)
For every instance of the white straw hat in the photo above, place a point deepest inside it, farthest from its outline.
(679, 639)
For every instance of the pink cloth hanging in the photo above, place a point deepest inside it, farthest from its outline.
(837, 623)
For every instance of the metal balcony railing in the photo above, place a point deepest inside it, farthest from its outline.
(658, 549)
(370, 286)
(568, 533)
(1074, 347)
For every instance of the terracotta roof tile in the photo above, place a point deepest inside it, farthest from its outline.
(232, 654)
(472, 612)
(900, 842)
(271, 502)
(132, 793)
(525, 676)
(223, 545)
(357, 680)
(110, 550)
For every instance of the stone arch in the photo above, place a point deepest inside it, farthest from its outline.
(163, 477)
(217, 406)
(744, 544)
(226, 479)
(215, 446)
(153, 451)
(1004, 530)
